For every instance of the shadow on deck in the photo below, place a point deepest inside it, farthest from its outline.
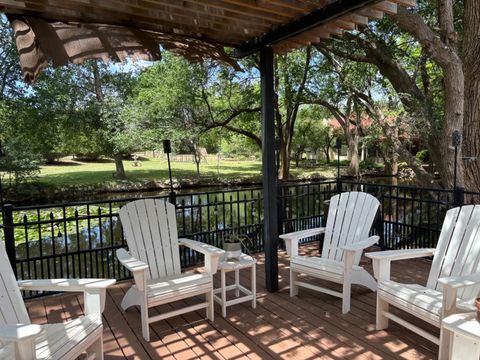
(309, 326)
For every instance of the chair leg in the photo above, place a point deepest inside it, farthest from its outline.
(382, 320)
(363, 278)
(346, 295)
(145, 324)
(293, 287)
(210, 307)
(131, 298)
(96, 349)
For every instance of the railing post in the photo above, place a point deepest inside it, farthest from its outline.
(9, 235)
(458, 196)
(379, 228)
(339, 186)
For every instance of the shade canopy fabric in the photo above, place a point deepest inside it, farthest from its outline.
(58, 32)
(42, 42)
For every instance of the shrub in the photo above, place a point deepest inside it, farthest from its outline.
(423, 156)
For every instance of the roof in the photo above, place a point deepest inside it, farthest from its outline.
(201, 28)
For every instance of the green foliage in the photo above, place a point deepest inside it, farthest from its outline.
(370, 164)
(423, 155)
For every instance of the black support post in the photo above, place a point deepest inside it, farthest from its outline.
(269, 171)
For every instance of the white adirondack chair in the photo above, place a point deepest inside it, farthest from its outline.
(350, 217)
(20, 339)
(453, 282)
(151, 232)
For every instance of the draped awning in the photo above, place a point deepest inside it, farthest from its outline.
(59, 31)
(42, 42)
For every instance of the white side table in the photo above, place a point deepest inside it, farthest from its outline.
(460, 337)
(227, 265)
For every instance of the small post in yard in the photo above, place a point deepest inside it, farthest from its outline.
(9, 235)
(458, 192)
(167, 149)
(338, 146)
(270, 209)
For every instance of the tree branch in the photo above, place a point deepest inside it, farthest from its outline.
(245, 133)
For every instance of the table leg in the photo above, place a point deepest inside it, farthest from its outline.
(254, 286)
(224, 294)
(237, 282)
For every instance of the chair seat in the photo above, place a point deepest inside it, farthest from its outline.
(59, 341)
(177, 287)
(317, 264)
(418, 299)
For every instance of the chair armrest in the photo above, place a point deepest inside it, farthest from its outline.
(212, 253)
(292, 239)
(65, 285)
(94, 290)
(362, 245)
(203, 248)
(457, 282)
(382, 260)
(19, 332)
(136, 267)
(353, 252)
(393, 255)
(450, 286)
(132, 264)
(299, 235)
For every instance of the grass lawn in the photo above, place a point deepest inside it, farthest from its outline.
(77, 173)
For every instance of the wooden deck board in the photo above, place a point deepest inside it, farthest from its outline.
(309, 326)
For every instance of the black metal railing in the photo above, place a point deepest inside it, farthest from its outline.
(80, 239)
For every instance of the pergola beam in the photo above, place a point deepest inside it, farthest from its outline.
(312, 20)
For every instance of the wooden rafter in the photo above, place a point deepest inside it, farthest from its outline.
(241, 24)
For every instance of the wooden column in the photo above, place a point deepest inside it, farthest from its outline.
(269, 171)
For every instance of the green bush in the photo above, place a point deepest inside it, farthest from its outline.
(423, 155)
(370, 164)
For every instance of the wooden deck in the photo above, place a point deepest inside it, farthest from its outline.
(309, 326)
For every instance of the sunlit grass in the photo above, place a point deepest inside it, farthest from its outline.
(80, 173)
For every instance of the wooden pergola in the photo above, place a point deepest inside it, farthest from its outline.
(60, 31)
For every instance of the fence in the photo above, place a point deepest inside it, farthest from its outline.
(80, 239)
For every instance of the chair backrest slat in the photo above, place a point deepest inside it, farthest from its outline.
(151, 232)
(458, 249)
(12, 307)
(350, 218)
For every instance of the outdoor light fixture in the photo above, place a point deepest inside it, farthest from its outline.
(338, 144)
(167, 149)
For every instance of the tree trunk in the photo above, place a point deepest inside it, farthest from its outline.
(198, 168)
(391, 165)
(119, 168)
(443, 50)
(284, 172)
(354, 168)
(471, 127)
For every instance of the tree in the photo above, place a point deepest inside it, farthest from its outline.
(471, 68)
(419, 54)
(311, 133)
